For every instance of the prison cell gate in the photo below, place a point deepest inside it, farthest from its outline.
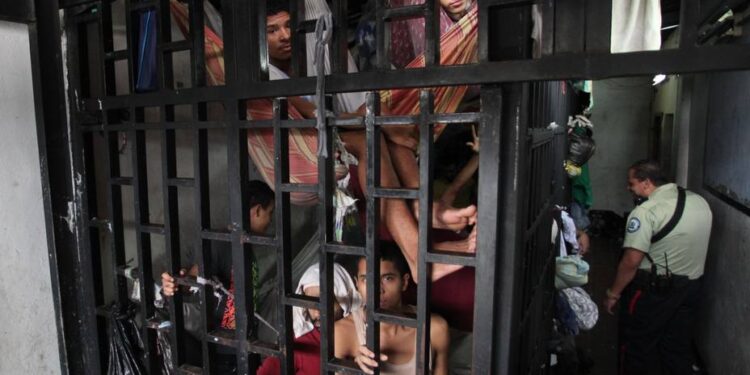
(520, 164)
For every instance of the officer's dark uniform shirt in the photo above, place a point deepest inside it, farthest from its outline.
(685, 246)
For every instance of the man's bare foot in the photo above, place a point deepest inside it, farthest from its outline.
(451, 218)
(466, 245)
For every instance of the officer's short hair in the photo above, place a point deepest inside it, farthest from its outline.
(648, 170)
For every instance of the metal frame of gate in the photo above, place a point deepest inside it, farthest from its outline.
(520, 163)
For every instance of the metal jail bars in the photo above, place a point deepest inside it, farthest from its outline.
(520, 165)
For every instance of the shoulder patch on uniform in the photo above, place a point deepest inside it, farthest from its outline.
(633, 225)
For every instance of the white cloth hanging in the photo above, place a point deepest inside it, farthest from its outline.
(344, 291)
(347, 102)
(636, 25)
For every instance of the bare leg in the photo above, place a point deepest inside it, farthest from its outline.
(444, 216)
(394, 213)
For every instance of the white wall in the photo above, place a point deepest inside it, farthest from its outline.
(28, 333)
(621, 117)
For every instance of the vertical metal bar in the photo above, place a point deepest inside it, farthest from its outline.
(484, 31)
(569, 30)
(202, 221)
(258, 42)
(381, 48)
(105, 36)
(172, 234)
(241, 34)
(325, 227)
(238, 211)
(112, 166)
(283, 221)
(488, 222)
(513, 150)
(298, 63)
(69, 251)
(230, 62)
(339, 50)
(432, 33)
(143, 244)
(426, 161)
(114, 207)
(548, 27)
(164, 68)
(598, 25)
(198, 45)
(373, 215)
(130, 33)
(689, 13)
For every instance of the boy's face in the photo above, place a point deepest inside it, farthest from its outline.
(260, 217)
(279, 36)
(392, 283)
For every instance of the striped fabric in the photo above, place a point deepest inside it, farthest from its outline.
(457, 46)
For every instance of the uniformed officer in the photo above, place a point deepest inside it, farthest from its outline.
(659, 276)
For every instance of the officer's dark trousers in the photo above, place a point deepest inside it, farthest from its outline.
(658, 325)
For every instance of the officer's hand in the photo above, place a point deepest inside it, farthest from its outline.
(609, 304)
(366, 359)
(583, 243)
(169, 287)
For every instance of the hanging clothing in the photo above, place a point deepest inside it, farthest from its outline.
(457, 45)
(636, 25)
(408, 36)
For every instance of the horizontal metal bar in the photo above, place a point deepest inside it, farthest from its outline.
(343, 366)
(187, 369)
(454, 118)
(358, 121)
(396, 193)
(259, 240)
(181, 182)
(396, 120)
(297, 124)
(122, 181)
(299, 188)
(285, 124)
(152, 228)
(585, 65)
(404, 319)
(403, 12)
(540, 136)
(450, 257)
(181, 45)
(116, 55)
(216, 236)
(156, 126)
(335, 248)
(306, 27)
(99, 223)
(302, 301)
(222, 337)
(265, 348)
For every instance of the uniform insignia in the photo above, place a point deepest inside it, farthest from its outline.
(633, 225)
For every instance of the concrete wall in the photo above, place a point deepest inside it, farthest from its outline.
(28, 333)
(724, 328)
(621, 117)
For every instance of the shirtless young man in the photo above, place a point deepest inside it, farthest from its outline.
(398, 343)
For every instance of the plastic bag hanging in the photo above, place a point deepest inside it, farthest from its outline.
(323, 32)
(125, 344)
